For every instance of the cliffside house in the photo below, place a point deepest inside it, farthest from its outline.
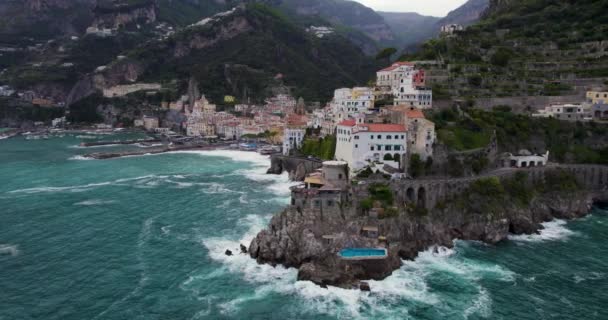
(347, 103)
(599, 104)
(406, 84)
(524, 159)
(567, 112)
(323, 190)
(450, 29)
(420, 131)
(358, 144)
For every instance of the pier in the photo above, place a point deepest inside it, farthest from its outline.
(115, 142)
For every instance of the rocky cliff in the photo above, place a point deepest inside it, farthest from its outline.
(348, 13)
(466, 14)
(296, 167)
(311, 239)
(116, 16)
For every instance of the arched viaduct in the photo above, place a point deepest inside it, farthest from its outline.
(429, 192)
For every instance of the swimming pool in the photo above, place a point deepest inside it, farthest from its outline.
(363, 253)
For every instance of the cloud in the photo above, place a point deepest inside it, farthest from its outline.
(438, 8)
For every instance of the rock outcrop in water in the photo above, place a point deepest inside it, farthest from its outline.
(309, 237)
(297, 167)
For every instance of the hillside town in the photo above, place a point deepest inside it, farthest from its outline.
(367, 133)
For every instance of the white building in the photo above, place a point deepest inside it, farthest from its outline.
(292, 138)
(321, 31)
(568, 112)
(389, 79)
(419, 97)
(348, 103)
(150, 123)
(525, 159)
(6, 91)
(58, 122)
(451, 28)
(406, 83)
(360, 143)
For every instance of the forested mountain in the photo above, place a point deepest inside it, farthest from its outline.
(247, 53)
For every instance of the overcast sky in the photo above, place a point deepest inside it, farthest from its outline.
(438, 8)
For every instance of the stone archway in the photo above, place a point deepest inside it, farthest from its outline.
(421, 197)
(411, 195)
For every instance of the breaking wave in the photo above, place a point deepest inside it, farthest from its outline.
(389, 298)
(79, 157)
(552, 230)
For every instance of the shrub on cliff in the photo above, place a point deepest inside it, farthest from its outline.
(559, 180)
(382, 193)
(489, 187)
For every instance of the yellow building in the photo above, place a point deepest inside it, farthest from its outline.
(597, 97)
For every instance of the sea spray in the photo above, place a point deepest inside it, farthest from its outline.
(552, 231)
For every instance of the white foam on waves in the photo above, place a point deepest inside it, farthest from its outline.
(9, 249)
(279, 184)
(81, 158)
(145, 180)
(386, 298)
(553, 230)
(94, 202)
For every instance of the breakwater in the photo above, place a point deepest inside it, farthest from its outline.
(119, 142)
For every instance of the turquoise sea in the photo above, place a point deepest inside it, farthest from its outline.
(144, 238)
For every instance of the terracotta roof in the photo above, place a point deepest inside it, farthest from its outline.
(397, 65)
(414, 113)
(347, 123)
(410, 112)
(380, 127)
(375, 127)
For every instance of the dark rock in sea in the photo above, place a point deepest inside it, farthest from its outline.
(228, 252)
(364, 286)
(243, 249)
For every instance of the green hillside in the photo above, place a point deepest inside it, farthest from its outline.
(521, 48)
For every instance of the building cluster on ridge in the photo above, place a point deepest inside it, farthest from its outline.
(368, 133)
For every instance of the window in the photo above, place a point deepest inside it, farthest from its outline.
(356, 146)
(397, 147)
(371, 148)
(388, 137)
(372, 137)
(379, 137)
(356, 137)
(402, 137)
(396, 137)
(387, 148)
(330, 203)
(339, 176)
(317, 203)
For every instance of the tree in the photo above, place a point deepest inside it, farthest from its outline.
(416, 168)
(502, 57)
(386, 53)
(475, 80)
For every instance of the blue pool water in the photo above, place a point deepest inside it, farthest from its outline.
(362, 252)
